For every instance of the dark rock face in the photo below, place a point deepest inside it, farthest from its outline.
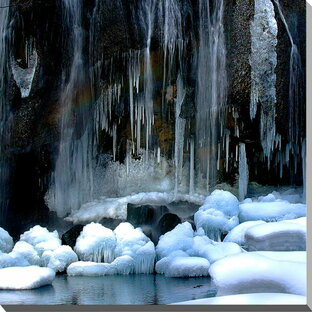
(168, 222)
(69, 238)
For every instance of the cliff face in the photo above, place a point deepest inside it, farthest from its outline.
(112, 30)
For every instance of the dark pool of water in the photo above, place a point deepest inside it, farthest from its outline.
(132, 289)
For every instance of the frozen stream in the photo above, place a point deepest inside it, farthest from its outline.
(131, 289)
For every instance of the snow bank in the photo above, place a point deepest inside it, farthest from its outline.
(6, 241)
(59, 259)
(218, 214)
(96, 243)
(271, 211)
(117, 207)
(237, 234)
(250, 299)
(88, 268)
(253, 273)
(25, 277)
(187, 267)
(276, 236)
(134, 243)
(41, 239)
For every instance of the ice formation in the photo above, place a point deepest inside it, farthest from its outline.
(89, 268)
(218, 214)
(252, 273)
(134, 243)
(30, 277)
(59, 259)
(41, 239)
(237, 234)
(12, 260)
(250, 299)
(242, 172)
(96, 243)
(276, 236)
(162, 265)
(296, 256)
(6, 241)
(27, 251)
(187, 267)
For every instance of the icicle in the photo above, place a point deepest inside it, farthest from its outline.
(303, 159)
(158, 154)
(191, 167)
(227, 147)
(243, 172)
(114, 141)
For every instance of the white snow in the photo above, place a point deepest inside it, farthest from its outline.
(88, 268)
(218, 214)
(253, 273)
(41, 239)
(250, 299)
(124, 265)
(117, 207)
(162, 264)
(187, 267)
(237, 234)
(276, 236)
(296, 256)
(27, 251)
(271, 211)
(96, 243)
(6, 241)
(59, 259)
(134, 243)
(12, 260)
(25, 277)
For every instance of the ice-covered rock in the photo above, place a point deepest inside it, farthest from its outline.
(296, 256)
(276, 236)
(12, 259)
(162, 265)
(6, 241)
(88, 268)
(96, 243)
(41, 239)
(187, 267)
(27, 251)
(59, 259)
(237, 234)
(218, 214)
(180, 238)
(271, 211)
(250, 299)
(25, 277)
(134, 243)
(124, 265)
(253, 273)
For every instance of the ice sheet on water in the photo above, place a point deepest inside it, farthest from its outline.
(96, 243)
(6, 241)
(30, 277)
(254, 273)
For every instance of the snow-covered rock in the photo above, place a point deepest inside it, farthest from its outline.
(253, 273)
(271, 211)
(218, 215)
(187, 267)
(162, 265)
(12, 259)
(237, 234)
(296, 256)
(27, 251)
(59, 259)
(88, 268)
(25, 277)
(96, 243)
(6, 241)
(124, 265)
(250, 299)
(276, 236)
(41, 239)
(134, 243)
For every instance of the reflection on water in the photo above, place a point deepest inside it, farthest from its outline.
(132, 289)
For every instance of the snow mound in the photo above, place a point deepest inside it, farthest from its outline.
(6, 241)
(117, 207)
(12, 259)
(180, 238)
(250, 299)
(237, 234)
(276, 236)
(218, 214)
(162, 264)
(27, 251)
(59, 259)
(96, 243)
(124, 265)
(41, 239)
(88, 268)
(296, 256)
(271, 211)
(25, 277)
(187, 267)
(253, 273)
(134, 243)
